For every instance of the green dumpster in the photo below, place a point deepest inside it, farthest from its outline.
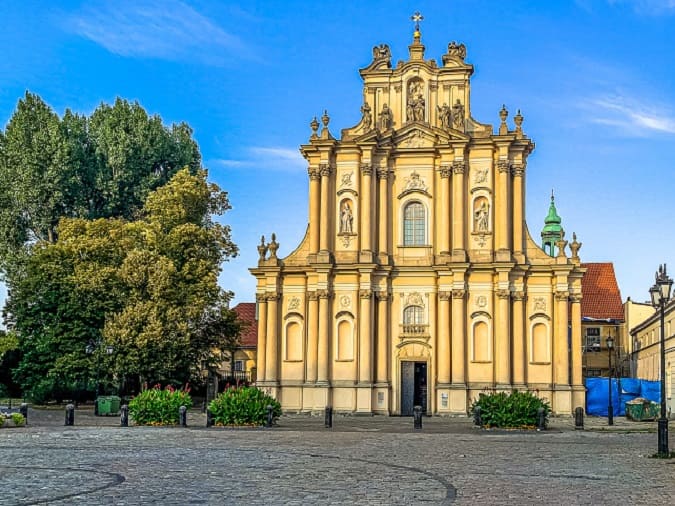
(641, 410)
(103, 403)
(114, 405)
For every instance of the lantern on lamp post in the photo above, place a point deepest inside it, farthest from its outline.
(660, 294)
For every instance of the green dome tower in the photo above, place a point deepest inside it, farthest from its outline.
(552, 231)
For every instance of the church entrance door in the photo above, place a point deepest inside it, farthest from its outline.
(413, 386)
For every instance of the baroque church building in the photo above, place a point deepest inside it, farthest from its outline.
(417, 282)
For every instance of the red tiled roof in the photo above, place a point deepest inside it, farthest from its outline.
(600, 291)
(246, 313)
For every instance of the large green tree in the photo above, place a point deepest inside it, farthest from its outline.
(148, 288)
(91, 167)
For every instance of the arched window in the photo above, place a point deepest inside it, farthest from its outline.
(413, 315)
(414, 226)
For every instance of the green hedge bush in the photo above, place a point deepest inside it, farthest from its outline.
(509, 410)
(243, 406)
(159, 406)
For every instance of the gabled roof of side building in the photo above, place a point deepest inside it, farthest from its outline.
(246, 313)
(601, 296)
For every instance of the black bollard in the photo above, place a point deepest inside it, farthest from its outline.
(328, 417)
(579, 418)
(182, 416)
(70, 414)
(209, 418)
(541, 419)
(417, 417)
(270, 416)
(24, 411)
(124, 416)
(477, 416)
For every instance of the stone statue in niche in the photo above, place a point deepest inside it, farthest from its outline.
(458, 116)
(415, 105)
(386, 118)
(346, 218)
(445, 115)
(367, 117)
(481, 215)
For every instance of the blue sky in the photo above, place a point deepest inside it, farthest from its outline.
(594, 79)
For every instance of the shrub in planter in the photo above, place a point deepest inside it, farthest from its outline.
(18, 419)
(509, 410)
(159, 406)
(243, 406)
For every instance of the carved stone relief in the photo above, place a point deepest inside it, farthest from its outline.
(293, 303)
(346, 180)
(540, 304)
(481, 301)
(415, 182)
(345, 301)
(480, 176)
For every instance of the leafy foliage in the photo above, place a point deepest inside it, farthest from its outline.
(18, 419)
(243, 406)
(509, 410)
(157, 406)
(148, 288)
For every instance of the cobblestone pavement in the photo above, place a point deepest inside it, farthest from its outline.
(372, 460)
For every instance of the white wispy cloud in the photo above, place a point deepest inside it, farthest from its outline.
(266, 158)
(631, 116)
(648, 7)
(163, 29)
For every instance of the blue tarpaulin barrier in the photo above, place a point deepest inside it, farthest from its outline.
(623, 390)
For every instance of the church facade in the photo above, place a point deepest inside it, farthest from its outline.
(417, 282)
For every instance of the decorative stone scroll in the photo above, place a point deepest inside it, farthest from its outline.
(325, 170)
(324, 294)
(562, 296)
(366, 169)
(365, 294)
(445, 170)
(445, 296)
(458, 167)
(503, 166)
(458, 294)
(503, 294)
(314, 173)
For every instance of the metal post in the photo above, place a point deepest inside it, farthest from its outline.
(610, 407)
(270, 416)
(579, 418)
(541, 419)
(328, 417)
(663, 421)
(417, 417)
(182, 416)
(70, 414)
(124, 416)
(477, 416)
(24, 411)
(209, 418)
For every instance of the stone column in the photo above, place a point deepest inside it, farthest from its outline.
(322, 351)
(382, 369)
(560, 351)
(366, 207)
(262, 337)
(458, 349)
(324, 242)
(444, 221)
(501, 206)
(365, 337)
(271, 354)
(314, 208)
(519, 358)
(312, 336)
(458, 210)
(577, 380)
(443, 337)
(383, 225)
(503, 340)
(518, 172)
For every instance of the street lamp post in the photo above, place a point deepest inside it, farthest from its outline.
(660, 294)
(610, 408)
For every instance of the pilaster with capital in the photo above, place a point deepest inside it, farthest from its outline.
(382, 345)
(272, 345)
(366, 206)
(518, 172)
(444, 235)
(518, 339)
(458, 211)
(326, 204)
(261, 371)
(503, 339)
(560, 348)
(443, 337)
(324, 328)
(365, 336)
(577, 354)
(458, 345)
(501, 207)
(312, 336)
(314, 208)
(383, 209)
